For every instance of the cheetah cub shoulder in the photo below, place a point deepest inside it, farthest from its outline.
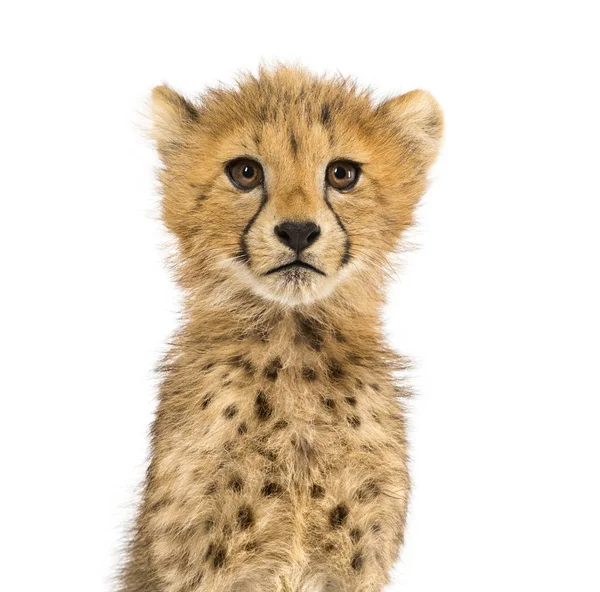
(278, 459)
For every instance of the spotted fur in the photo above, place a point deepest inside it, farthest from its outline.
(278, 456)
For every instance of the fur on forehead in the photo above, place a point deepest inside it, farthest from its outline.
(293, 97)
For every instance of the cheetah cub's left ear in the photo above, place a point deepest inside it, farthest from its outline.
(172, 118)
(419, 120)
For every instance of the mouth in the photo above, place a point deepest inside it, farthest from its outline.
(294, 265)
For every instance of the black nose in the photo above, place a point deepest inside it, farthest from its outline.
(297, 235)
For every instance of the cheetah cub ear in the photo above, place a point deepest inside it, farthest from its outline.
(173, 116)
(419, 120)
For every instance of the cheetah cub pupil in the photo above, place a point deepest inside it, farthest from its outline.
(278, 457)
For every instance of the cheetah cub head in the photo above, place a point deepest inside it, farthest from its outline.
(292, 186)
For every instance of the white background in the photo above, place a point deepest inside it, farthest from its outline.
(498, 306)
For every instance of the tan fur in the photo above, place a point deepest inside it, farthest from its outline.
(278, 451)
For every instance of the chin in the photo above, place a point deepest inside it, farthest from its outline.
(295, 286)
(292, 287)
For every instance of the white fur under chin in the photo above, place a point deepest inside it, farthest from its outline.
(298, 293)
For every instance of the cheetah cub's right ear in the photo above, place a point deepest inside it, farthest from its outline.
(173, 117)
(419, 120)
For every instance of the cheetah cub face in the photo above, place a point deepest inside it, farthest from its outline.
(292, 185)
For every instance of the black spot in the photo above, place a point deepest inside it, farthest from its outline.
(219, 557)
(309, 332)
(245, 517)
(336, 370)
(351, 401)
(209, 524)
(262, 407)
(269, 454)
(309, 374)
(271, 489)
(355, 535)
(338, 516)
(242, 428)
(368, 490)
(208, 366)
(211, 488)
(242, 363)
(354, 359)
(280, 425)
(375, 527)
(206, 401)
(293, 143)
(354, 421)
(325, 113)
(329, 403)
(357, 561)
(209, 552)
(247, 366)
(236, 484)
(329, 547)
(230, 411)
(375, 387)
(317, 491)
(272, 369)
(339, 337)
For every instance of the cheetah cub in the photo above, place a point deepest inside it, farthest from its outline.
(278, 456)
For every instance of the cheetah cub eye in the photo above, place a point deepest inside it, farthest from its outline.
(244, 173)
(343, 175)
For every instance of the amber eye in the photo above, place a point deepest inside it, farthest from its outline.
(244, 173)
(343, 174)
